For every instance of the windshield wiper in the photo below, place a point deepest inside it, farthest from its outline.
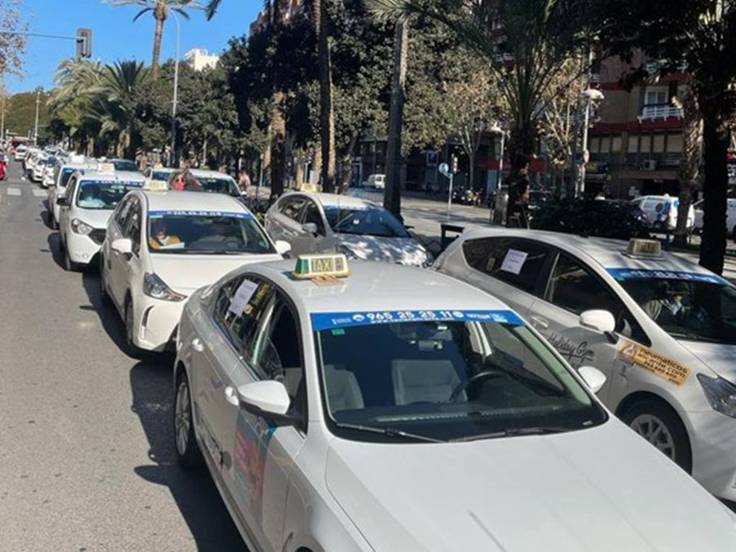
(389, 432)
(515, 432)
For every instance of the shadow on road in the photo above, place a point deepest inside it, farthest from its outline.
(194, 492)
(105, 310)
(54, 242)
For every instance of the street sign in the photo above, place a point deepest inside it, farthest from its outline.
(444, 169)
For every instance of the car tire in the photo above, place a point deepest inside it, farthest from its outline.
(69, 265)
(129, 321)
(659, 424)
(188, 455)
(54, 223)
(104, 294)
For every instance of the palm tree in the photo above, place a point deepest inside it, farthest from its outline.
(160, 11)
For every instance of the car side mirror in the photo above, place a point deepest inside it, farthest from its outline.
(267, 399)
(282, 247)
(310, 227)
(61, 201)
(598, 320)
(124, 246)
(592, 377)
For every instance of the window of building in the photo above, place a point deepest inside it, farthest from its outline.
(655, 97)
(595, 145)
(645, 143)
(615, 144)
(658, 143)
(606, 144)
(675, 143)
(633, 146)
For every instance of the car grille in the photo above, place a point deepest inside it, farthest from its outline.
(97, 235)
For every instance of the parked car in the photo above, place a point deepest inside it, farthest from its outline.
(157, 178)
(730, 216)
(62, 175)
(360, 229)
(661, 212)
(376, 181)
(20, 153)
(201, 180)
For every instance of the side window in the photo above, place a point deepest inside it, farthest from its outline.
(576, 289)
(276, 353)
(132, 228)
(241, 305)
(519, 263)
(312, 214)
(292, 207)
(121, 212)
(71, 190)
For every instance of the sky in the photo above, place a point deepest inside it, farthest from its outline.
(116, 36)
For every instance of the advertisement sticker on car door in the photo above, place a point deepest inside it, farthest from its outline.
(664, 367)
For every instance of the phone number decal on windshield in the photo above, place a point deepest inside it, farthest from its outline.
(328, 320)
(158, 214)
(635, 273)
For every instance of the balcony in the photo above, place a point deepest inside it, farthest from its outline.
(660, 111)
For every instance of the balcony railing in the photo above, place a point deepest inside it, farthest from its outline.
(660, 111)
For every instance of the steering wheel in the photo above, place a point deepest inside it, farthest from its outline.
(232, 242)
(480, 376)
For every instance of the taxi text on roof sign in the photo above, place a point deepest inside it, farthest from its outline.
(321, 266)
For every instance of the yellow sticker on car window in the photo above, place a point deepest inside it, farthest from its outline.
(664, 367)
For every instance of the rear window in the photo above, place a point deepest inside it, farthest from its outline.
(519, 263)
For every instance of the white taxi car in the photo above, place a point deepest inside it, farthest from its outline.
(661, 328)
(162, 246)
(359, 229)
(157, 178)
(398, 409)
(85, 208)
(61, 178)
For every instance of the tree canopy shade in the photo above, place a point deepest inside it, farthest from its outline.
(11, 45)
(524, 42)
(698, 37)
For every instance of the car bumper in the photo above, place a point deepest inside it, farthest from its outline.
(713, 442)
(157, 324)
(82, 249)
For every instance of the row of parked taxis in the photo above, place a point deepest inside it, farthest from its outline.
(483, 402)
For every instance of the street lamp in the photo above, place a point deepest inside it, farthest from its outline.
(496, 129)
(172, 153)
(590, 96)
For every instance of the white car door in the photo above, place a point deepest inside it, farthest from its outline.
(308, 241)
(124, 266)
(512, 269)
(258, 456)
(69, 199)
(572, 289)
(284, 221)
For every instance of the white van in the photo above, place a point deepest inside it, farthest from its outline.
(661, 211)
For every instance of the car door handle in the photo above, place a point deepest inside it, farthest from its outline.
(231, 396)
(539, 322)
(197, 345)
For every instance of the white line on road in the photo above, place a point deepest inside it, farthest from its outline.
(39, 193)
(13, 192)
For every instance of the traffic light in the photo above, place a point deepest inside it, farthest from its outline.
(454, 164)
(84, 43)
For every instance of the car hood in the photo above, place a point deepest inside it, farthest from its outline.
(602, 489)
(187, 273)
(716, 356)
(96, 218)
(391, 250)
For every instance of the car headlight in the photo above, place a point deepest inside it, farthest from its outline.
(721, 394)
(155, 287)
(79, 227)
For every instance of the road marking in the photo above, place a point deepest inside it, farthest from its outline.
(40, 193)
(13, 192)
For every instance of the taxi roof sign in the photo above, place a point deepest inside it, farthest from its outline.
(309, 267)
(644, 248)
(106, 168)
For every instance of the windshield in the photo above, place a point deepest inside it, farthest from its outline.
(65, 176)
(205, 233)
(125, 165)
(218, 185)
(448, 379)
(160, 175)
(101, 194)
(371, 221)
(691, 306)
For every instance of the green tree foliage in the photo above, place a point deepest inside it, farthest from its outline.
(20, 113)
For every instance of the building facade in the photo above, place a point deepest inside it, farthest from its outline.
(200, 59)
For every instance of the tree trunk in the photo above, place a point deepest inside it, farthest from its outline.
(715, 188)
(327, 113)
(392, 193)
(521, 148)
(278, 144)
(689, 170)
(159, 14)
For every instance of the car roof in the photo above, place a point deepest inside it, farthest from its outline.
(337, 200)
(206, 173)
(607, 253)
(375, 286)
(191, 201)
(123, 176)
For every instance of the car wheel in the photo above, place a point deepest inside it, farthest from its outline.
(52, 218)
(103, 283)
(69, 266)
(130, 347)
(659, 424)
(188, 454)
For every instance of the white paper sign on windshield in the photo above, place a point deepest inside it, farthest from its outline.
(242, 296)
(514, 261)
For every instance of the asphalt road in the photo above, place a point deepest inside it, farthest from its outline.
(86, 454)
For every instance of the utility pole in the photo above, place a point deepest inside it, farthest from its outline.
(35, 125)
